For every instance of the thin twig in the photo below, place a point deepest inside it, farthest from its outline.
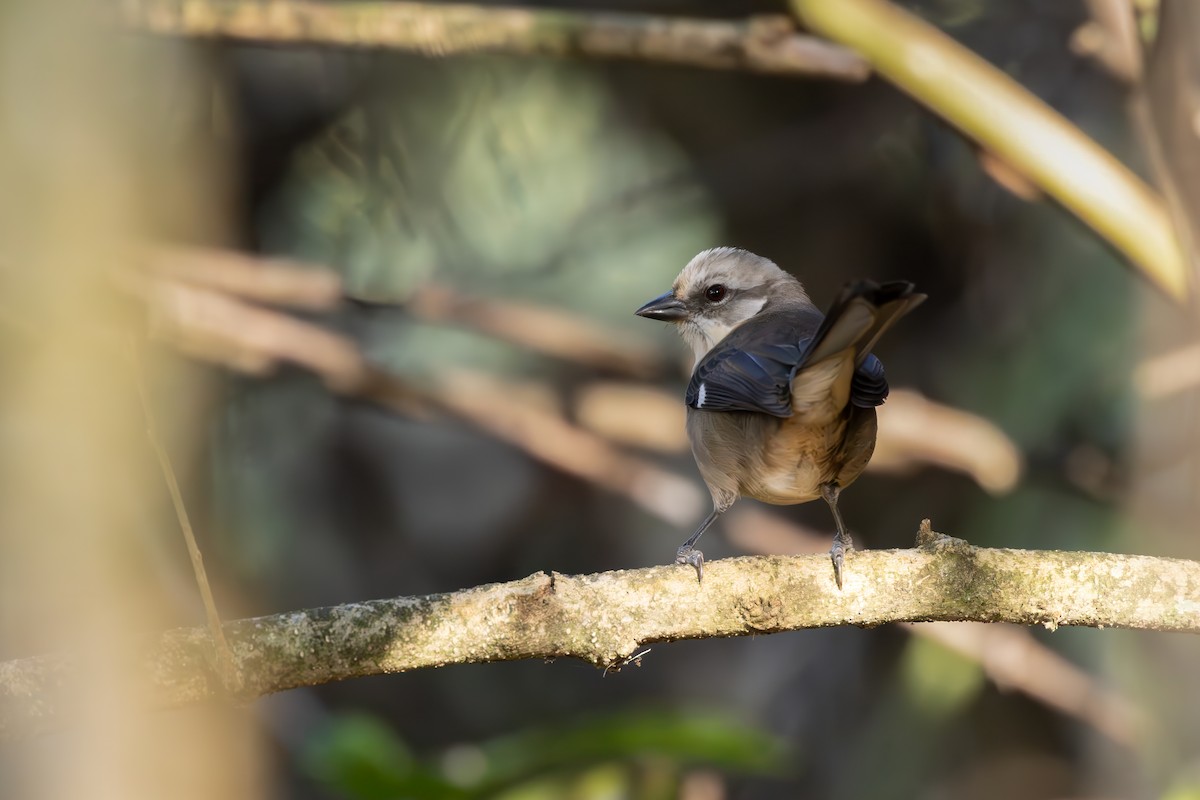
(767, 43)
(227, 664)
(605, 618)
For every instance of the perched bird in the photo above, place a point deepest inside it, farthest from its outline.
(781, 404)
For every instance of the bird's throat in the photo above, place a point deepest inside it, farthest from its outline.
(702, 339)
(704, 334)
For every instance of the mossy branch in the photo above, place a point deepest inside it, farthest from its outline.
(765, 43)
(606, 619)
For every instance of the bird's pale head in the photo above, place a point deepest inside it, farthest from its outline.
(718, 290)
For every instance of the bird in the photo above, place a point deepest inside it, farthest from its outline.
(782, 398)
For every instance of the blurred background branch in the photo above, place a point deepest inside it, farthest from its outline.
(767, 43)
(544, 330)
(212, 314)
(606, 618)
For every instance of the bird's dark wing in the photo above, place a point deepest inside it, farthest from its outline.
(869, 387)
(745, 373)
(735, 379)
(753, 368)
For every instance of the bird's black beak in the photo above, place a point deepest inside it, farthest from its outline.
(667, 308)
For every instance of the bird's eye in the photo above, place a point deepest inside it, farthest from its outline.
(715, 293)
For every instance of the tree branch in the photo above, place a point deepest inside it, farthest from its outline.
(606, 618)
(767, 43)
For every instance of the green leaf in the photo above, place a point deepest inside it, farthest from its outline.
(937, 680)
(360, 756)
(679, 737)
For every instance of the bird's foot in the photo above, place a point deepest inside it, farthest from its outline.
(837, 554)
(929, 539)
(690, 555)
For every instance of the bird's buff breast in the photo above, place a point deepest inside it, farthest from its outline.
(776, 461)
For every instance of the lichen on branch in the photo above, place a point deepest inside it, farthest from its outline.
(607, 618)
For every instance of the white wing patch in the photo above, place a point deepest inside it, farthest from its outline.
(700, 396)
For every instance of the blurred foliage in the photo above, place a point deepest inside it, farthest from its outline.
(631, 754)
(514, 178)
(938, 681)
(1185, 788)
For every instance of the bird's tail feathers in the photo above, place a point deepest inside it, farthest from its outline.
(861, 314)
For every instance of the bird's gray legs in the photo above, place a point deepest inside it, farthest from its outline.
(841, 540)
(688, 554)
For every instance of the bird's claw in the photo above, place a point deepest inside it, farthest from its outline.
(690, 555)
(837, 554)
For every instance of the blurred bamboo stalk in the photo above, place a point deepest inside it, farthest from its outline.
(765, 43)
(1005, 118)
(84, 184)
